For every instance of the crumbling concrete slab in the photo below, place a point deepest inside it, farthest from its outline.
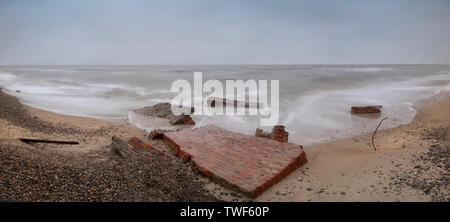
(248, 163)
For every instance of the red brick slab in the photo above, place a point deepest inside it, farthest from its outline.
(250, 164)
(137, 143)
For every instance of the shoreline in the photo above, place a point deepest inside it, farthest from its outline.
(350, 170)
(321, 117)
(125, 119)
(90, 171)
(337, 169)
(416, 106)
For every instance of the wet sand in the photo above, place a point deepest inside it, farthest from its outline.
(410, 164)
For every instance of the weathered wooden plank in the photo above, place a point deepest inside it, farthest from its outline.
(47, 141)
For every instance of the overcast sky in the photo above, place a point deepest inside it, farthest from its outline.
(224, 32)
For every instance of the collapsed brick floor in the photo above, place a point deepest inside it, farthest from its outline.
(247, 163)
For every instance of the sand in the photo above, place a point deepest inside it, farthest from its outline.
(90, 171)
(350, 169)
(343, 170)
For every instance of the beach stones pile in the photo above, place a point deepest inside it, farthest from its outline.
(430, 172)
(42, 175)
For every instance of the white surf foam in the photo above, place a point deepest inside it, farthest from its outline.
(314, 105)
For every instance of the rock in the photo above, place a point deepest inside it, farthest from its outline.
(18, 91)
(121, 147)
(261, 133)
(156, 134)
(365, 109)
(182, 120)
(39, 176)
(164, 110)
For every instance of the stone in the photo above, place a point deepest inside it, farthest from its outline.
(164, 110)
(182, 120)
(120, 147)
(260, 133)
(155, 134)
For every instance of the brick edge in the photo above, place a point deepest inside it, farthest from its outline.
(291, 167)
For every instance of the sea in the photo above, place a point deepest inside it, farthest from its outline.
(314, 100)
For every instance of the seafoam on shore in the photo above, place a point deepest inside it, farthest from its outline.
(314, 100)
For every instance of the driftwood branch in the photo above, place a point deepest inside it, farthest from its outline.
(47, 141)
(373, 136)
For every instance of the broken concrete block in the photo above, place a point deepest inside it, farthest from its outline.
(260, 133)
(213, 101)
(156, 134)
(120, 147)
(182, 120)
(164, 110)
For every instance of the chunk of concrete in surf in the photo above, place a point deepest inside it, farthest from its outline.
(366, 109)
